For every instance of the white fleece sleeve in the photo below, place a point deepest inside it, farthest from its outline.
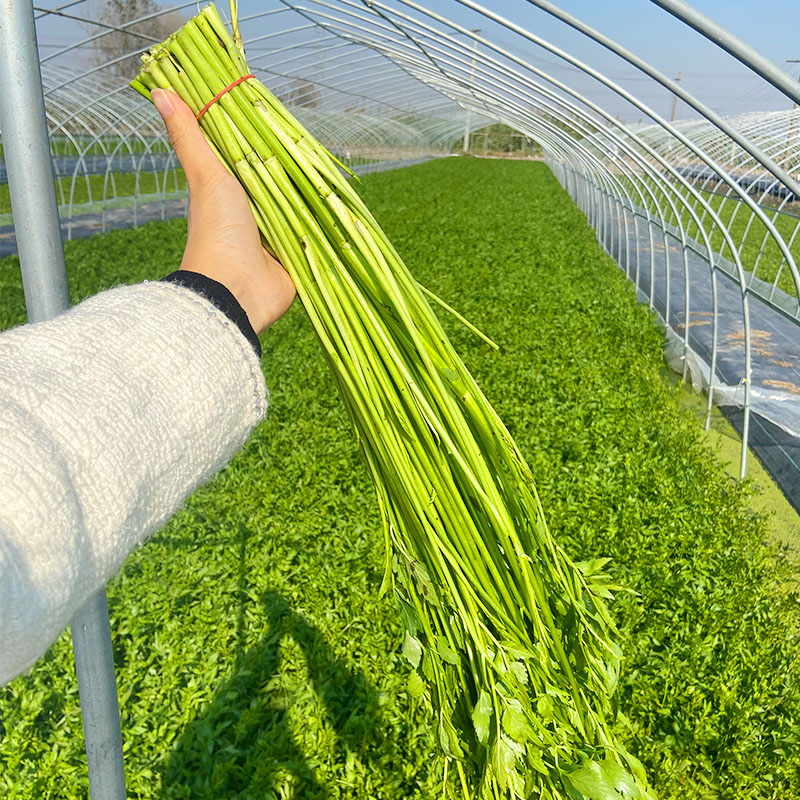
(110, 416)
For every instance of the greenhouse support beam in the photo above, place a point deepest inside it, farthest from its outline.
(38, 232)
(31, 181)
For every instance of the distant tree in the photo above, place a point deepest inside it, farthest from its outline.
(121, 43)
(499, 138)
(301, 92)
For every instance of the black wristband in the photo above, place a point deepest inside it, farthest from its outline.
(218, 294)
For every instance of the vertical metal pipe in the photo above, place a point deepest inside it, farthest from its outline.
(38, 231)
(712, 374)
(94, 663)
(626, 229)
(606, 200)
(31, 181)
(675, 100)
(667, 269)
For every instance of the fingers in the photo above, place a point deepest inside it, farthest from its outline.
(196, 157)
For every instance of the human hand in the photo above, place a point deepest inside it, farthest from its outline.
(223, 242)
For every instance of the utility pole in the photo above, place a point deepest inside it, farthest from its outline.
(794, 61)
(675, 101)
(790, 143)
(471, 81)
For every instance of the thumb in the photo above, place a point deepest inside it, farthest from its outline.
(197, 158)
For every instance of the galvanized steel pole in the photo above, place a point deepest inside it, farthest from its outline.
(30, 172)
(94, 663)
(38, 232)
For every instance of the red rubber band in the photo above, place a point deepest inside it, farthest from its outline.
(224, 91)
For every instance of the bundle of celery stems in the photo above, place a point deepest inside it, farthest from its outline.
(510, 642)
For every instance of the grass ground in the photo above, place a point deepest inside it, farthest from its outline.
(782, 523)
(253, 655)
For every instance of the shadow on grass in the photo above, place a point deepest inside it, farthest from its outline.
(244, 746)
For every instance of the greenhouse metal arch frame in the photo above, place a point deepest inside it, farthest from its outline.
(698, 213)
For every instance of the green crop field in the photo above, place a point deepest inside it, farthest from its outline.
(102, 145)
(254, 657)
(93, 189)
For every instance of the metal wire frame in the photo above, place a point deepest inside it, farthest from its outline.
(103, 133)
(394, 81)
(776, 133)
(550, 79)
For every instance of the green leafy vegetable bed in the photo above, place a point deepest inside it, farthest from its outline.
(254, 658)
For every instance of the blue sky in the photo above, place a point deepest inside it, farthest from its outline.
(771, 26)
